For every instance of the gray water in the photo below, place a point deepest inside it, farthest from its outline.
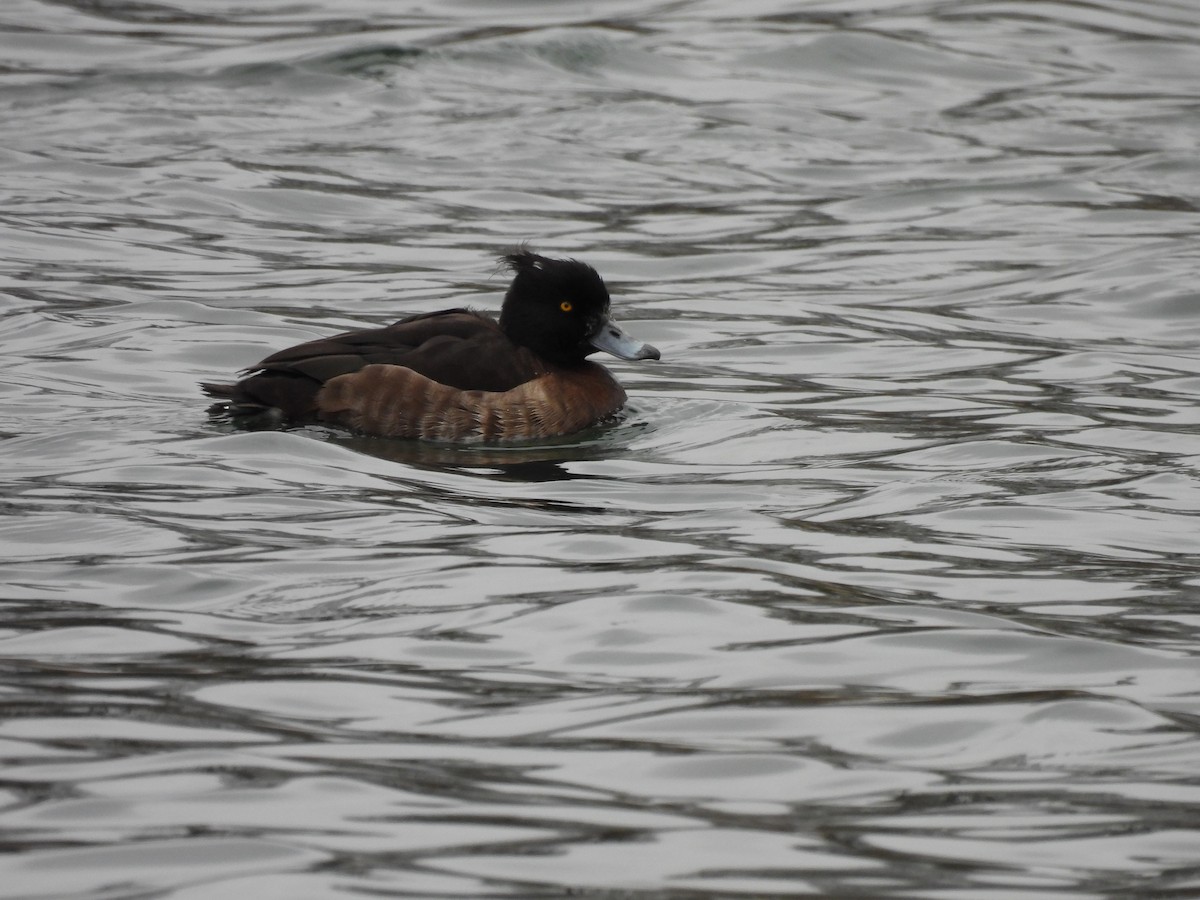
(886, 583)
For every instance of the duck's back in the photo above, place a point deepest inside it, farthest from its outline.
(458, 348)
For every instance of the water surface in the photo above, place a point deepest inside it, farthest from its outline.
(883, 585)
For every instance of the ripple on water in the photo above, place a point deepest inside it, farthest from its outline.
(882, 585)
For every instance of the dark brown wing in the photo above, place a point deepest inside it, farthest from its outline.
(456, 347)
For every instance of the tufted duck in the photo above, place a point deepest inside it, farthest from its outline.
(458, 375)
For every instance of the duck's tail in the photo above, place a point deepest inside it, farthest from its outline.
(233, 404)
(218, 391)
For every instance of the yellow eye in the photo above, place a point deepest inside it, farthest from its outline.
(566, 306)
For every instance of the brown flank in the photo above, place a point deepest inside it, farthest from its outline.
(395, 401)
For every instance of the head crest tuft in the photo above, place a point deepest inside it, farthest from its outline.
(523, 259)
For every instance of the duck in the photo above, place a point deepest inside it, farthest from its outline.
(457, 375)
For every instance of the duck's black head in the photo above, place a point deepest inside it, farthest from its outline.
(558, 308)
